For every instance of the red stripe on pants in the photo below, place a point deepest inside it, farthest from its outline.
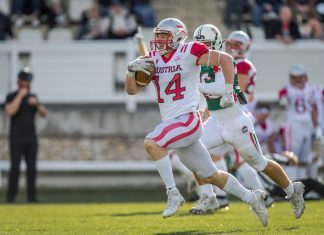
(183, 135)
(173, 126)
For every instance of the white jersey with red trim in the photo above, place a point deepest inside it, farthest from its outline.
(319, 99)
(263, 132)
(246, 67)
(299, 102)
(176, 79)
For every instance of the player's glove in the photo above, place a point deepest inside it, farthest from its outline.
(227, 99)
(140, 64)
(283, 101)
(319, 134)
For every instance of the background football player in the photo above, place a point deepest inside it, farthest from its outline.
(234, 126)
(299, 101)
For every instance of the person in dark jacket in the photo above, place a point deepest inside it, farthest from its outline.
(283, 30)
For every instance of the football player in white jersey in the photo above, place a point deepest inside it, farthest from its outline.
(177, 67)
(238, 44)
(211, 35)
(234, 126)
(299, 100)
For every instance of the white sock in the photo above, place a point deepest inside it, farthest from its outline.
(289, 190)
(233, 187)
(250, 177)
(206, 189)
(164, 168)
(220, 165)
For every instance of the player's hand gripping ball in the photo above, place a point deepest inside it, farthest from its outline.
(144, 77)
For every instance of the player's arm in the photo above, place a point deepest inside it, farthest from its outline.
(216, 88)
(222, 59)
(318, 129)
(142, 64)
(131, 86)
(225, 61)
(141, 46)
(283, 97)
(243, 80)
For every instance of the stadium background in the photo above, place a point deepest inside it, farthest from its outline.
(93, 136)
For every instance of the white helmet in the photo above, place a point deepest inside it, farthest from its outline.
(209, 33)
(297, 70)
(243, 38)
(177, 31)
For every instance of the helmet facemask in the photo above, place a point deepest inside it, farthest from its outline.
(209, 35)
(238, 43)
(235, 48)
(163, 46)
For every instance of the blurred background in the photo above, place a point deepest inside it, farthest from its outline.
(78, 50)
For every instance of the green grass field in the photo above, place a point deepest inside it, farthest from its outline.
(145, 218)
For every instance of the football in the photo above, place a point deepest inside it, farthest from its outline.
(142, 79)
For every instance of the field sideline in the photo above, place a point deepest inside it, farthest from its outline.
(145, 218)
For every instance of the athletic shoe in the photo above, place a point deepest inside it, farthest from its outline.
(222, 201)
(258, 207)
(175, 200)
(297, 201)
(205, 204)
(268, 201)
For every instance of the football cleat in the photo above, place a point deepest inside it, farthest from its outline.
(258, 206)
(175, 200)
(206, 204)
(222, 201)
(268, 201)
(297, 201)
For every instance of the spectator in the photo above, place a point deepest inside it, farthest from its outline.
(235, 9)
(122, 23)
(94, 25)
(283, 30)
(265, 10)
(144, 12)
(5, 27)
(55, 15)
(21, 106)
(309, 26)
(29, 7)
(319, 9)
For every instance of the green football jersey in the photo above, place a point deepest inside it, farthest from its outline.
(207, 75)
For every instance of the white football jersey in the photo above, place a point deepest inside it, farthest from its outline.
(319, 99)
(176, 79)
(300, 101)
(246, 67)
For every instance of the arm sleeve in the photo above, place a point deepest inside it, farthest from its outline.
(198, 49)
(214, 88)
(243, 68)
